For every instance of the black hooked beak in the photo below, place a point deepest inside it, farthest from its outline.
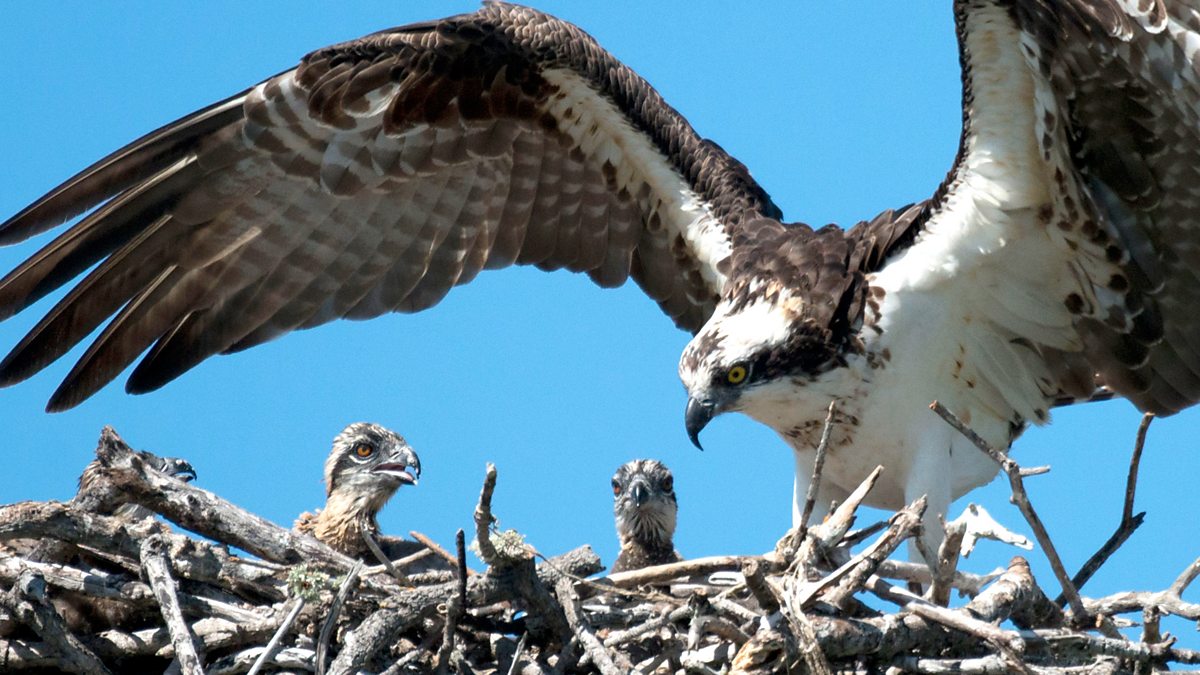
(697, 416)
(640, 493)
(184, 471)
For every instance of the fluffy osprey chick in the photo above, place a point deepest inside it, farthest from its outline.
(367, 465)
(644, 506)
(84, 613)
(175, 467)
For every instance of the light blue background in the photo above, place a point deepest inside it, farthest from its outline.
(839, 109)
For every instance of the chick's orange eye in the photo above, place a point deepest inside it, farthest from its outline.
(736, 375)
(668, 484)
(616, 488)
(364, 450)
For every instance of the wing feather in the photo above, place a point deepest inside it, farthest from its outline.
(1073, 204)
(375, 177)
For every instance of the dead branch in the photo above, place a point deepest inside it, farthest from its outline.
(437, 549)
(799, 607)
(947, 563)
(335, 609)
(1130, 521)
(267, 654)
(810, 496)
(28, 603)
(685, 568)
(158, 572)
(1021, 498)
(204, 513)
(583, 631)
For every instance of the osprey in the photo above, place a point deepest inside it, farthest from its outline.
(382, 172)
(645, 510)
(365, 467)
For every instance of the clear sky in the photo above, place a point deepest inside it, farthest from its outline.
(839, 109)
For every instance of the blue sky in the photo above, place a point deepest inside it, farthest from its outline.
(839, 110)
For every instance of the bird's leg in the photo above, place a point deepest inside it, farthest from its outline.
(927, 477)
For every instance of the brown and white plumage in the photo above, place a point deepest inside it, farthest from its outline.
(365, 467)
(1057, 248)
(373, 178)
(645, 510)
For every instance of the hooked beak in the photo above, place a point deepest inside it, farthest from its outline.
(640, 493)
(185, 472)
(698, 415)
(405, 467)
(179, 468)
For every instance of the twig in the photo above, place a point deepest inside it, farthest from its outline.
(158, 574)
(966, 582)
(947, 563)
(437, 550)
(960, 621)
(583, 632)
(205, 513)
(512, 667)
(373, 546)
(618, 638)
(1013, 471)
(28, 603)
(335, 608)
(756, 581)
(1130, 521)
(810, 647)
(456, 606)
(268, 653)
(1186, 578)
(850, 576)
(97, 583)
(484, 517)
(843, 516)
(810, 496)
(291, 658)
(685, 568)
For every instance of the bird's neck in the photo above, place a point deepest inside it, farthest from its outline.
(340, 524)
(637, 554)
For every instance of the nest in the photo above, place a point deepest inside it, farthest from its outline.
(90, 593)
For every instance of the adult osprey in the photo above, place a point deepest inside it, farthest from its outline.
(384, 171)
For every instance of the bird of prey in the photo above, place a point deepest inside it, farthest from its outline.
(91, 480)
(382, 172)
(644, 507)
(366, 466)
(82, 612)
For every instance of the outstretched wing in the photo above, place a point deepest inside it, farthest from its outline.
(374, 177)
(1061, 250)
(1125, 81)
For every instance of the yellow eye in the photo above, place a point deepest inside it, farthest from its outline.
(736, 375)
(364, 450)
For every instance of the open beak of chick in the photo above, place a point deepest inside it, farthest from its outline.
(402, 465)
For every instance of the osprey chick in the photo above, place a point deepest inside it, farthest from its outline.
(91, 480)
(644, 506)
(82, 612)
(367, 465)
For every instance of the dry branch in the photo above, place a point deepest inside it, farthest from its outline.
(797, 608)
(158, 572)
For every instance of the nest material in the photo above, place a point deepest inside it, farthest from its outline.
(161, 600)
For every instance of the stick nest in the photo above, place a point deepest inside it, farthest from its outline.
(86, 588)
